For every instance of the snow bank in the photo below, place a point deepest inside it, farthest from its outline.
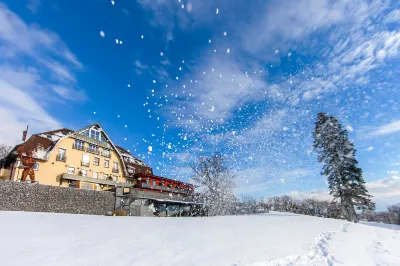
(62, 239)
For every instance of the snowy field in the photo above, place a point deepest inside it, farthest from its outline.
(269, 239)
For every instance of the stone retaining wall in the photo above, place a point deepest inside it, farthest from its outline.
(15, 196)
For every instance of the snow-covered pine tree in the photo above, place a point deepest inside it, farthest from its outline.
(337, 154)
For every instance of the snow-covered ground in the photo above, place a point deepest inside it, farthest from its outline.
(269, 239)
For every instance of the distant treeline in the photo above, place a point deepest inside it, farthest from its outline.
(312, 207)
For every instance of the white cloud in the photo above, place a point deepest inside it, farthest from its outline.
(390, 128)
(222, 85)
(393, 16)
(283, 21)
(385, 191)
(18, 109)
(38, 69)
(385, 188)
(19, 38)
(392, 172)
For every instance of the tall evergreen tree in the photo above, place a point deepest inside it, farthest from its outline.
(337, 154)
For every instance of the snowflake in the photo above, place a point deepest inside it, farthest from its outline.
(102, 34)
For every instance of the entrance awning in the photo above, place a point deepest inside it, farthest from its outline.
(95, 180)
(162, 197)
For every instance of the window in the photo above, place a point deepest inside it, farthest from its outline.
(106, 163)
(61, 155)
(85, 160)
(36, 166)
(95, 175)
(115, 167)
(79, 144)
(106, 153)
(93, 149)
(71, 170)
(105, 176)
(84, 172)
(96, 161)
(95, 134)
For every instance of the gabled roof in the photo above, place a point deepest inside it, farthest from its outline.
(34, 143)
(56, 131)
(97, 125)
(135, 159)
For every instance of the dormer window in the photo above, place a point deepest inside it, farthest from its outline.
(95, 134)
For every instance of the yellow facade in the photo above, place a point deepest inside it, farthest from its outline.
(49, 172)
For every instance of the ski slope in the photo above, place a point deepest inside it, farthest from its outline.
(268, 239)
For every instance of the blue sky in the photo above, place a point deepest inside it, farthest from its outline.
(246, 81)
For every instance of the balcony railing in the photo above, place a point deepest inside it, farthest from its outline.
(85, 163)
(106, 154)
(61, 158)
(115, 170)
(94, 151)
(78, 147)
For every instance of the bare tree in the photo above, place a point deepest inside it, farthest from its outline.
(216, 182)
(4, 150)
(394, 213)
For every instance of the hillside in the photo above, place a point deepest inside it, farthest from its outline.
(269, 239)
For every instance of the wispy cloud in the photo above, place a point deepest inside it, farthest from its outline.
(390, 128)
(213, 91)
(19, 109)
(37, 65)
(33, 5)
